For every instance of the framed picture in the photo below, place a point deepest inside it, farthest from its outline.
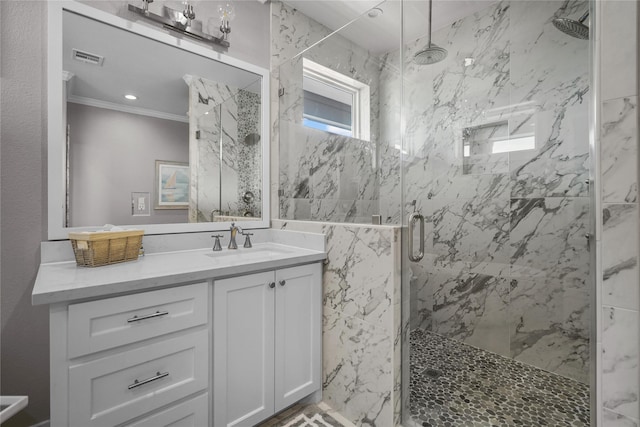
(172, 185)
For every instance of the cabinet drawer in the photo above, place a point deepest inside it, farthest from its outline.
(114, 389)
(192, 413)
(99, 325)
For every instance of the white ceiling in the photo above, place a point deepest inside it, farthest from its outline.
(382, 34)
(151, 70)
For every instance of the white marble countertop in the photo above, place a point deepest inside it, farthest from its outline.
(65, 281)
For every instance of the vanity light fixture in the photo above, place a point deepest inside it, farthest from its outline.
(131, 97)
(183, 24)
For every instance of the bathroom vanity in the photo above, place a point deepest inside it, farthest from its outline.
(183, 335)
(218, 338)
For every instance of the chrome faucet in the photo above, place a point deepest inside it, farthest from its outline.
(232, 241)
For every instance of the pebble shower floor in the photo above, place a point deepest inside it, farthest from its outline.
(454, 384)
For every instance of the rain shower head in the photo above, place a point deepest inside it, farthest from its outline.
(572, 27)
(432, 53)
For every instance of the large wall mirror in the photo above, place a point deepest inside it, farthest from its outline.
(151, 130)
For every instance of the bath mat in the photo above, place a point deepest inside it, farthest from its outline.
(317, 420)
(320, 415)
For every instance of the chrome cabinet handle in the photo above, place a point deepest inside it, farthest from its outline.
(156, 377)
(272, 285)
(413, 218)
(147, 316)
(282, 283)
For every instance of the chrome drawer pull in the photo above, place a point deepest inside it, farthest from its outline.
(148, 316)
(158, 375)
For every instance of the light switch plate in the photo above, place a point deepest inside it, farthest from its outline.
(140, 204)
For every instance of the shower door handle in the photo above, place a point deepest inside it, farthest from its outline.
(413, 218)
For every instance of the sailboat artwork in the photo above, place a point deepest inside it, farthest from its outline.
(172, 185)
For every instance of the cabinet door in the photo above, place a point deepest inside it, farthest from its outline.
(298, 333)
(243, 339)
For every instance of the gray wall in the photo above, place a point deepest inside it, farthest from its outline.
(24, 337)
(24, 340)
(113, 154)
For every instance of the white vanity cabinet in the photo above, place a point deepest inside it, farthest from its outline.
(189, 338)
(114, 360)
(267, 336)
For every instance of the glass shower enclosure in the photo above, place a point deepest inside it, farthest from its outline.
(482, 157)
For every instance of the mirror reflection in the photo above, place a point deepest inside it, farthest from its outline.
(156, 134)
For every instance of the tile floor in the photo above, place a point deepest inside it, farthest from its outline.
(454, 384)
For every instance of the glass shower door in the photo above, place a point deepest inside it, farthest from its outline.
(496, 160)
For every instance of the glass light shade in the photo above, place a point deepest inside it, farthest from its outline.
(227, 12)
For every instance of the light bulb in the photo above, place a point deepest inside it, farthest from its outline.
(227, 12)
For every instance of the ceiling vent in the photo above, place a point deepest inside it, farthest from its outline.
(87, 57)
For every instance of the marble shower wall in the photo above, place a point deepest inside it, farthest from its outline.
(619, 284)
(361, 320)
(223, 112)
(324, 176)
(497, 161)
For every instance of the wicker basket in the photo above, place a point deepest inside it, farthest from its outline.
(104, 248)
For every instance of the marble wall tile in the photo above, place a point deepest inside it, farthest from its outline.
(360, 278)
(468, 229)
(558, 166)
(356, 384)
(611, 419)
(620, 286)
(292, 32)
(619, 150)
(619, 53)
(620, 332)
(472, 308)
(557, 352)
(548, 67)
(618, 140)
(549, 325)
(315, 164)
(362, 320)
(390, 142)
(547, 238)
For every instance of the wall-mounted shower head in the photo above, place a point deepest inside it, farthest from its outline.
(432, 53)
(572, 27)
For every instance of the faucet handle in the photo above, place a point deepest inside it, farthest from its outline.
(216, 244)
(247, 240)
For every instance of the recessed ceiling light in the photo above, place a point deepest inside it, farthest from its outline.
(131, 97)
(375, 12)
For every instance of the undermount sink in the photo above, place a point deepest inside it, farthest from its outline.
(248, 253)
